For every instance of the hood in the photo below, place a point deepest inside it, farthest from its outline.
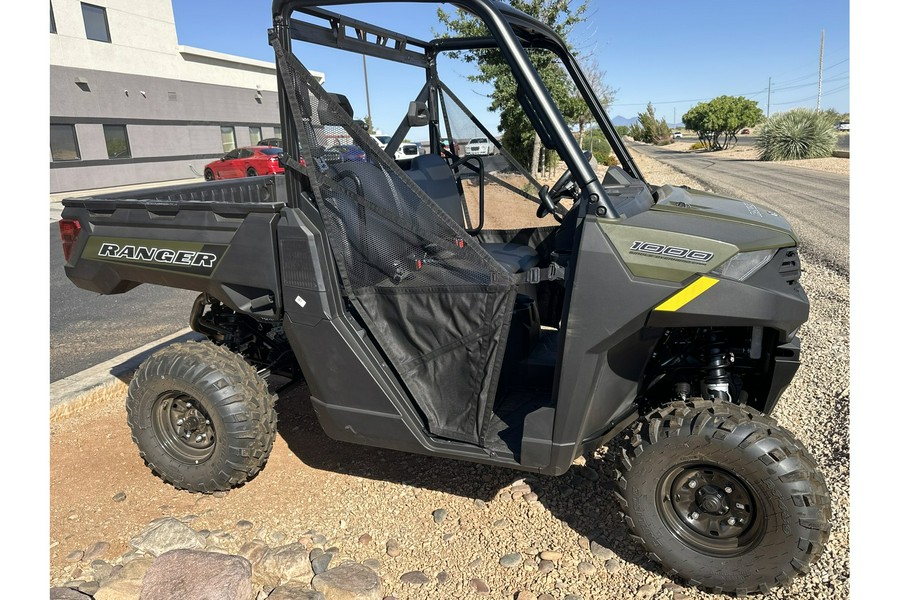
(705, 204)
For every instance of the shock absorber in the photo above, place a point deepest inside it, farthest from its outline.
(717, 359)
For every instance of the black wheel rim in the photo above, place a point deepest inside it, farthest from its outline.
(710, 509)
(209, 176)
(183, 427)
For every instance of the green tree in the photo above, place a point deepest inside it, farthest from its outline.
(518, 134)
(649, 129)
(722, 117)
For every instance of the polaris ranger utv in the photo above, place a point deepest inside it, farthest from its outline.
(662, 314)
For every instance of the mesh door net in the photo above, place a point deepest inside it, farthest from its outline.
(436, 303)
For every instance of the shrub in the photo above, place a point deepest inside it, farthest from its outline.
(611, 161)
(698, 146)
(796, 134)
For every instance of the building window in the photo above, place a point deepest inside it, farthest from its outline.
(116, 141)
(96, 27)
(228, 141)
(278, 132)
(63, 143)
(255, 135)
(52, 20)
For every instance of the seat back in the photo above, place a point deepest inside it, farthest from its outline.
(434, 176)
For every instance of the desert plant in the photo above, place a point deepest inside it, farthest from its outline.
(611, 161)
(798, 133)
(698, 146)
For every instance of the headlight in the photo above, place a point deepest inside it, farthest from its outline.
(743, 264)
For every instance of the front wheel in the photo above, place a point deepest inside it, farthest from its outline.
(202, 418)
(208, 175)
(251, 172)
(721, 496)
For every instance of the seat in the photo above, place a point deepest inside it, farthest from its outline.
(434, 176)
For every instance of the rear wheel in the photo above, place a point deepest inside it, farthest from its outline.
(208, 175)
(251, 172)
(721, 496)
(202, 418)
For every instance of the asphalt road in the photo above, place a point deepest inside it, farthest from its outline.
(87, 329)
(816, 203)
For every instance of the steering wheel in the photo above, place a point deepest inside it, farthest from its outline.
(563, 187)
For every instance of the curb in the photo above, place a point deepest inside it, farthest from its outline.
(119, 368)
(841, 154)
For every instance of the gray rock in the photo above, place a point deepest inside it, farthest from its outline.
(545, 566)
(167, 534)
(295, 591)
(589, 473)
(612, 566)
(439, 515)
(195, 574)
(89, 587)
(96, 550)
(349, 581)
(501, 523)
(75, 556)
(372, 563)
(287, 563)
(315, 553)
(525, 595)
(442, 577)
(586, 568)
(244, 524)
(573, 597)
(321, 562)
(254, 551)
(393, 547)
(365, 538)
(65, 593)
(602, 552)
(479, 586)
(415, 578)
(510, 560)
(645, 591)
(479, 503)
(120, 497)
(476, 563)
(124, 583)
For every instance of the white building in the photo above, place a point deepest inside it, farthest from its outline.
(129, 105)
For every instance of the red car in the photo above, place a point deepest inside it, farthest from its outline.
(245, 162)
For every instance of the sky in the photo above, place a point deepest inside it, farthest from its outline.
(673, 55)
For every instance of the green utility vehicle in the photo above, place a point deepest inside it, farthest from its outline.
(661, 314)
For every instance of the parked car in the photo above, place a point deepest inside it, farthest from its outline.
(406, 150)
(745, 131)
(677, 134)
(344, 153)
(479, 147)
(843, 126)
(270, 142)
(249, 161)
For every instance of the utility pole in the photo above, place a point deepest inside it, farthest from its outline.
(366, 79)
(821, 56)
(674, 120)
(769, 98)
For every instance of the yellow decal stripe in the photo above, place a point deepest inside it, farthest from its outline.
(687, 294)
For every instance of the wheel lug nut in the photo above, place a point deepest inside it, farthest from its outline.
(695, 516)
(188, 405)
(199, 438)
(732, 520)
(180, 422)
(207, 421)
(728, 489)
(692, 483)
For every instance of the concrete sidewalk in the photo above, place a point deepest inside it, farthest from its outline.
(119, 368)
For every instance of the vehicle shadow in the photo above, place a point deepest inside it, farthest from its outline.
(583, 498)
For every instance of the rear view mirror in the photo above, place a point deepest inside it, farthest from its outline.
(417, 115)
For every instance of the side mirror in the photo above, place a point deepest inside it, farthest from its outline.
(417, 115)
(362, 124)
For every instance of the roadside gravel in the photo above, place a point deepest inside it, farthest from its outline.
(433, 527)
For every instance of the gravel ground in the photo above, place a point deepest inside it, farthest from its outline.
(463, 520)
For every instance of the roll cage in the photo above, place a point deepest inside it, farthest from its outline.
(511, 32)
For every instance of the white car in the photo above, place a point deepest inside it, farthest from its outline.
(844, 126)
(677, 134)
(405, 151)
(479, 147)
